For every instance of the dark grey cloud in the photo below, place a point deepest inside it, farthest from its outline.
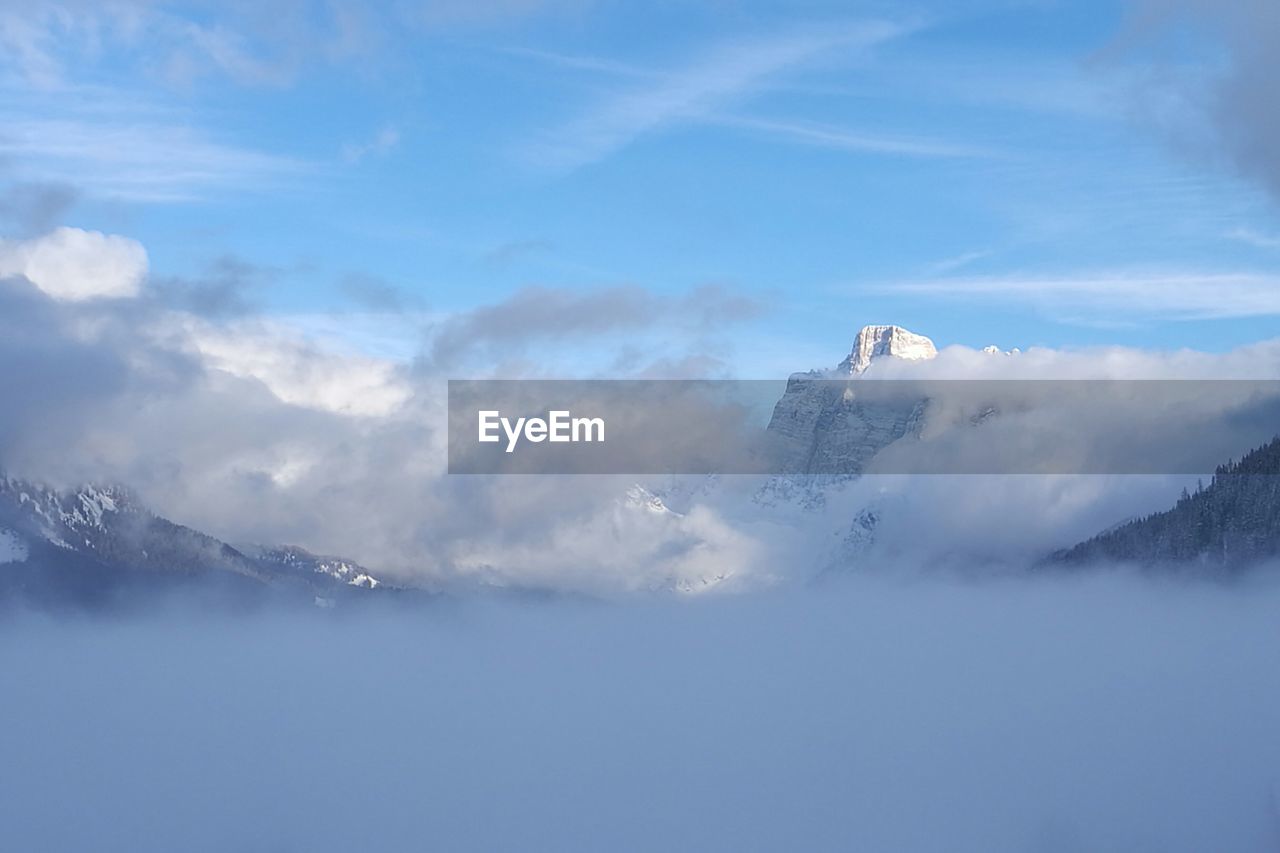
(225, 289)
(33, 208)
(48, 381)
(61, 383)
(1237, 97)
(717, 304)
(560, 315)
(634, 361)
(539, 313)
(375, 293)
(121, 392)
(508, 253)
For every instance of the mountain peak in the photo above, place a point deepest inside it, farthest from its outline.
(894, 341)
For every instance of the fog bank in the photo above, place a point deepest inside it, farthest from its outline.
(1096, 713)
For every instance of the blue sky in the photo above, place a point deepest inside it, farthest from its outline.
(1016, 173)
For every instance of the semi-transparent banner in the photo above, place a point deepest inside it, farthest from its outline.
(822, 426)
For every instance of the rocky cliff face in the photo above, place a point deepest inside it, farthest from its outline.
(875, 342)
(822, 426)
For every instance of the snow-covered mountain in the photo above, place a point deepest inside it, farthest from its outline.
(86, 545)
(822, 426)
(689, 535)
(875, 342)
(825, 433)
(304, 564)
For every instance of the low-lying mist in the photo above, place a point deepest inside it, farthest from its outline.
(1084, 712)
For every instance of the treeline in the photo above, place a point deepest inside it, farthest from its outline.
(1231, 522)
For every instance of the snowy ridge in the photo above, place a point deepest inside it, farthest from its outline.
(302, 561)
(638, 497)
(68, 520)
(878, 341)
(97, 533)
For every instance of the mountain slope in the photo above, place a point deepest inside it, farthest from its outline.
(98, 545)
(1230, 524)
(820, 427)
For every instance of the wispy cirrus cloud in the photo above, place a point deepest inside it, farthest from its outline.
(1254, 238)
(1133, 294)
(383, 142)
(150, 154)
(698, 92)
(955, 262)
(823, 136)
(50, 44)
(578, 62)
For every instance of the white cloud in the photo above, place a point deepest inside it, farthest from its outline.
(74, 265)
(259, 431)
(300, 372)
(621, 545)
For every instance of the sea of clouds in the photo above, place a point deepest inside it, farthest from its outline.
(1069, 713)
